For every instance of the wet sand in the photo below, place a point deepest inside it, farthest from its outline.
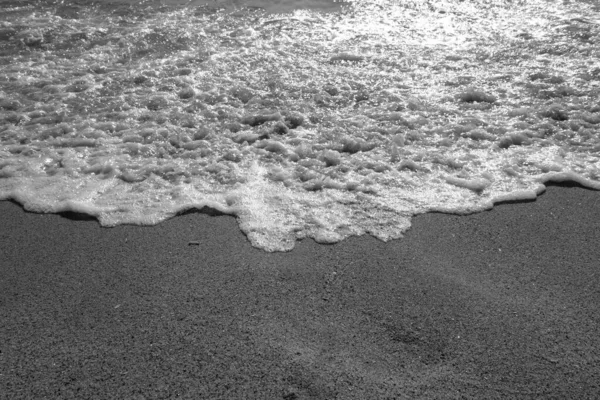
(501, 304)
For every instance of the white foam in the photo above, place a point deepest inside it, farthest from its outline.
(382, 135)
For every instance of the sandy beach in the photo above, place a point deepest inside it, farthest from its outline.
(501, 304)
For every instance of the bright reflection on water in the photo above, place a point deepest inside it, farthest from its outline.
(304, 124)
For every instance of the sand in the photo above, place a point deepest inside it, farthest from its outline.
(502, 304)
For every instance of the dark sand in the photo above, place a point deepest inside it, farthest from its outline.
(502, 304)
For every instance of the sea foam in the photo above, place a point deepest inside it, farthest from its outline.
(304, 125)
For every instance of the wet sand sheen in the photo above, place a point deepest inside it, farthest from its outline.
(500, 304)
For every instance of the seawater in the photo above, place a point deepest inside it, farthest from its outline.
(304, 124)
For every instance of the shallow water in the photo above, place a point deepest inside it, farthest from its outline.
(308, 124)
(270, 6)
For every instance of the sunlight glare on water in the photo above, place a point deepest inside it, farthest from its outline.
(301, 124)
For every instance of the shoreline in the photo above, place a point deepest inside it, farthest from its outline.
(498, 304)
(201, 122)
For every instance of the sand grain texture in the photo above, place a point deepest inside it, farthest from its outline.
(501, 304)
